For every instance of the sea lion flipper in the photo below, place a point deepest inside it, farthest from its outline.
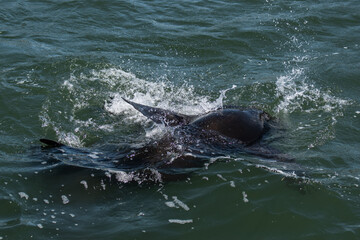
(159, 115)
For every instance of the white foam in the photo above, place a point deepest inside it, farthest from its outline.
(23, 195)
(83, 182)
(65, 199)
(170, 204)
(181, 204)
(179, 221)
(122, 176)
(158, 131)
(245, 199)
(68, 85)
(102, 184)
(283, 172)
(68, 138)
(93, 155)
(221, 177)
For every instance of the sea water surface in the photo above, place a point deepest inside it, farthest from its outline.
(65, 65)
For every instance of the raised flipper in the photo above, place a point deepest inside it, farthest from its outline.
(159, 115)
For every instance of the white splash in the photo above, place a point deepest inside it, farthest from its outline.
(170, 204)
(296, 93)
(162, 94)
(94, 155)
(111, 85)
(65, 199)
(180, 203)
(245, 199)
(103, 185)
(23, 195)
(122, 176)
(68, 85)
(83, 182)
(69, 138)
(221, 177)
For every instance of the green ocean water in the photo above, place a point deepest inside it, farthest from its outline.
(65, 65)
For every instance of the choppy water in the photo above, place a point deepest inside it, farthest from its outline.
(65, 65)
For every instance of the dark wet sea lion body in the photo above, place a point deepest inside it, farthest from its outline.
(245, 125)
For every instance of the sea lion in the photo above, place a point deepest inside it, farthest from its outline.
(194, 140)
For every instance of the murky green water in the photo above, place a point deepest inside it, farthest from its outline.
(65, 65)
